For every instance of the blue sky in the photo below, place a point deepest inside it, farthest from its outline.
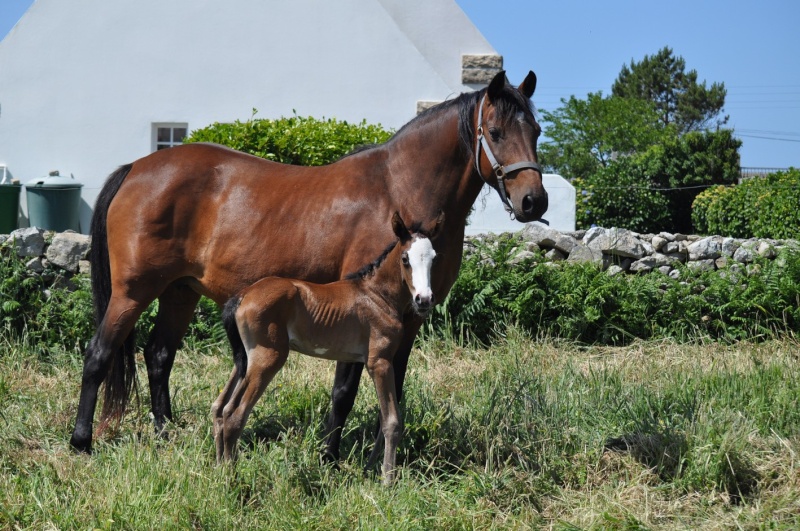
(576, 47)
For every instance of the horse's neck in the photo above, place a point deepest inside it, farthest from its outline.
(431, 171)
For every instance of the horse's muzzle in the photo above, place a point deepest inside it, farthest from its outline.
(533, 207)
(423, 304)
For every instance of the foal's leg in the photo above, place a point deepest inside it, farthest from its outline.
(382, 373)
(264, 362)
(117, 324)
(216, 411)
(400, 364)
(175, 311)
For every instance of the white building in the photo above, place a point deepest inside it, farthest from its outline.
(87, 85)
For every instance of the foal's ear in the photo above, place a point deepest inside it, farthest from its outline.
(399, 227)
(528, 86)
(496, 86)
(437, 227)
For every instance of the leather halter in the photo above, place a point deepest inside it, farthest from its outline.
(501, 172)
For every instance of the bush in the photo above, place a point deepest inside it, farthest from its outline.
(37, 306)
(653, 190)
(581, 302)
(759, 207)
(293, 140)
(620, 195)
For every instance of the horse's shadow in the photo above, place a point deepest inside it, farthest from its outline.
(665, 452)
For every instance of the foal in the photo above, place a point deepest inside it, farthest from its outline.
(359, 319)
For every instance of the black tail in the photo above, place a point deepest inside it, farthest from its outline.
(121, 374)
(229, 321)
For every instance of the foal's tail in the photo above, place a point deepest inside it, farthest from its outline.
(235, 338)
(121, 374)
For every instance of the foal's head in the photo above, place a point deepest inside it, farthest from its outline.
(417, 255)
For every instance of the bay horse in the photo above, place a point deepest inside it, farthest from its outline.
(202, 219)
(356, 320)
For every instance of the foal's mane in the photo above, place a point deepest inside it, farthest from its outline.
(370, 268)
(509, 102)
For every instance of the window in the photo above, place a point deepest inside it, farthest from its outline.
(168, 135)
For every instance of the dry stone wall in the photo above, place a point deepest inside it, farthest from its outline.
(621, 250)
(63, 255)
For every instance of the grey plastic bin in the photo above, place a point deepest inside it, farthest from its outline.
(54, 202)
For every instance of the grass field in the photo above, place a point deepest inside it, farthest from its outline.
(523, 434)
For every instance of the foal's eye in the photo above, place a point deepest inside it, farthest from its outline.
(495, 134)
(405, 259)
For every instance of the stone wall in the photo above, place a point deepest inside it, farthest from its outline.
(621, 250)
(63, 255)
(56, 256)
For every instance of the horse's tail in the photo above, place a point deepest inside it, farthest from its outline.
(121, 374)
(235, 338)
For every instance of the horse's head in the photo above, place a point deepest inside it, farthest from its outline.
(505, 147)
(417, 255)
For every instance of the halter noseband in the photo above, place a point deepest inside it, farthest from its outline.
(500, 171)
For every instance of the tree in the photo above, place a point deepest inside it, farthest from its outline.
(653, 190)
(678, 97)
(584, 136)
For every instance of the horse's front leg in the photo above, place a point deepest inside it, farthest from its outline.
(411, 327)
(382, 373)
(343, 396)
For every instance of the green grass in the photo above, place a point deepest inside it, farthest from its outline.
(523, 434)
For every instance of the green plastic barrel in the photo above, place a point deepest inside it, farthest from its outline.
(9, 207)
(54, 202)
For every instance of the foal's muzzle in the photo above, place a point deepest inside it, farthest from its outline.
(423, 304)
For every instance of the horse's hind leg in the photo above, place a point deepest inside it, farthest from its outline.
(216, 411)
(175, 311)
(263, 364)
(118, 322)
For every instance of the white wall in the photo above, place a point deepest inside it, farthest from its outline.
(82, 81)
(490, 216)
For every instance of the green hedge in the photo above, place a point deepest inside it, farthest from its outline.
(581, 302)
(766, 207)
(293, 140)
(572, 301)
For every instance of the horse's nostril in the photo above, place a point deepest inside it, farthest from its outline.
(527, 203)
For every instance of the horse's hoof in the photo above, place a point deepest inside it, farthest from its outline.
(81, 445)
(329, 458)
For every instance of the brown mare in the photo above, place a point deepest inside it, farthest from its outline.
(202, 219)
(356, 320)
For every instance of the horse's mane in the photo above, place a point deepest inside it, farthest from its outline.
(508, 104)
(371, 267)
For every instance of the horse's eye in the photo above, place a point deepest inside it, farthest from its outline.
(495, 134)
(405, 259)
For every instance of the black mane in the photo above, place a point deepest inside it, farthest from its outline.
(370, 268)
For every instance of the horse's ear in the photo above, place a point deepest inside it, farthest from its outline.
(528, 86)
(437, 227)
(399, 227)
(496, 86)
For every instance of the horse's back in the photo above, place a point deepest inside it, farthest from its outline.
(222, 219)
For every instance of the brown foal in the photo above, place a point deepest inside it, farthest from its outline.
(359, 319)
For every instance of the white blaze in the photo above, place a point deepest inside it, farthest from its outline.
(420, 257)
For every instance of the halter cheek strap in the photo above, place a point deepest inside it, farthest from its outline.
(500, 171)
